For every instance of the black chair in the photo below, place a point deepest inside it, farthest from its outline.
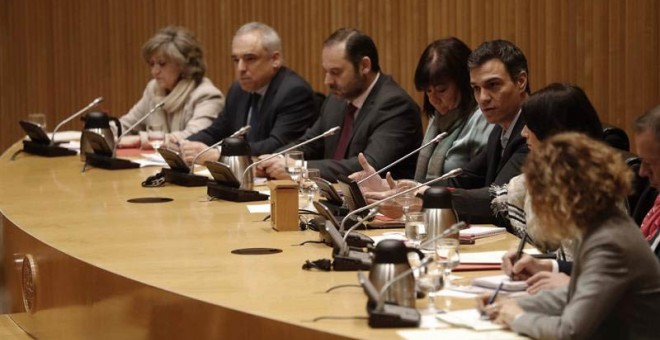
(319, 99)
(640, 184)
(616, 137)
(644, 204)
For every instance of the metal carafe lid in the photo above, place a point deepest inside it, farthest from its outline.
(96, 120)
(437, 198)
(235, 147)
(391, 251)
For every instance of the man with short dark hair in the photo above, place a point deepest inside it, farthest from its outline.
(499, 79)
(647, 141)
(376, 116)
(274, 100)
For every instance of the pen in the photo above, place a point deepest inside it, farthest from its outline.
(519, 252)
(492, 298)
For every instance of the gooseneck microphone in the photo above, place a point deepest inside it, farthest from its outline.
(328, 133)
(450, 174)
(182, 174)
(94, 103)
(392, 315)
(240, 132)
(130, 128)
(348, 232)
(437, 139)
(39, 143)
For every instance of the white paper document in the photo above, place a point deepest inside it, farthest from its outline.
(469, 318)
(494, 257)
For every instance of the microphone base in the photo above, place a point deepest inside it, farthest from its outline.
(336, 210)
(226, 193)
(109, 163)
(394, 316)
(46, 150)
(184, 179)
(355, 260)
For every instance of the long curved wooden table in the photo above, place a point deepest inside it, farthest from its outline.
(106, 268)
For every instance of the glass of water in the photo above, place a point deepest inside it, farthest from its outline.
(416, 228)
(155, 135)
(448, 256)
(308, 188)
(430, 282)
(37, 118)
(295, 163)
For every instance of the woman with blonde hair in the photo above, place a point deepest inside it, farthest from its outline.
(191, 101)
(575, 184)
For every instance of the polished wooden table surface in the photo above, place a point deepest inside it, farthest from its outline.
(107, 268)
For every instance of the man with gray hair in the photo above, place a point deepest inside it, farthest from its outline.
(647, 141)
(273, 99)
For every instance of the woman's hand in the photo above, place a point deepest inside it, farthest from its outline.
(525, 267)
(546, 280)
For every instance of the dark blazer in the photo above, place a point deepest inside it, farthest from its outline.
(286, 110)
(472, 198)
(614, 292)
(388, 126)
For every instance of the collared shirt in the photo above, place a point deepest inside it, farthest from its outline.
(261, 92)
(506, 135)
(359, 101)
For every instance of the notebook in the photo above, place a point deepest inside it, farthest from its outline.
(477, 232)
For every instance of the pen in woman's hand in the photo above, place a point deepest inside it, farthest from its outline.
(519, 252)
(492, 299)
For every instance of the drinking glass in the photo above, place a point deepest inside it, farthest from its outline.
(406, 200)
(448, 256)
(294, 161)
(430, 282)
(308, 188)
(37, 118)
(416, 228)
(155, 135)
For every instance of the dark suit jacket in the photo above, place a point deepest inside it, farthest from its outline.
(472, 198)
(614, 292)
(286, 110)
(387, 127)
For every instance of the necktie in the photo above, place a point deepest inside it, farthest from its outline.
(346, 129)
(253, 115)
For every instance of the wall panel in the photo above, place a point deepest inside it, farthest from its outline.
(55, 56)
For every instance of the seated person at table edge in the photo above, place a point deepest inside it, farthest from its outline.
(273, 99)
(614, 289)
(499, 79)
(376, 116)
(647, 142)
(191, 101)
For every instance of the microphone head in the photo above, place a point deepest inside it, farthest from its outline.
(440, 137)
(331, 131)
(97, 101)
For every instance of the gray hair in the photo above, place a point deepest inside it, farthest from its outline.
(270, 40)
(179, 45)
(649, 121)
